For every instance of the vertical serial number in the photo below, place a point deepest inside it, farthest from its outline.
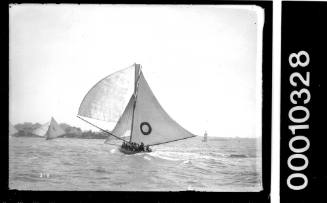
(298, 116)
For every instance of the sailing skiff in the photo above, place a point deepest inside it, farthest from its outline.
(126, 99)
(49, 130)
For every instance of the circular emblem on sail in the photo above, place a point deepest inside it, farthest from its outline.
(145, 128)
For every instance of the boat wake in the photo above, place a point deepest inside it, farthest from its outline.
(187, 162)
(147, 158)
(169, 156)
(193, 157)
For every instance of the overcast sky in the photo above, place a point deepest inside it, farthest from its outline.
(203, 63)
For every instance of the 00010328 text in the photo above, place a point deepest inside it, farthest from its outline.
(299, 115)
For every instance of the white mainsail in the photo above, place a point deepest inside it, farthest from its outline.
(54, 130)
(42, 130)
(123, 126)
(126, 98)
(152, 125)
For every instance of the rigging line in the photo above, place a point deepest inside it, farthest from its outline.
(106, 141)
(172, 140)
(101, 129)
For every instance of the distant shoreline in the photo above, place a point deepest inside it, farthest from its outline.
(82, 136)
(27, 129)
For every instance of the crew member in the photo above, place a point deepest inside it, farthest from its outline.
(141, 147)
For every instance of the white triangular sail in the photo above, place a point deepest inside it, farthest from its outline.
(42, 130)
(107, 99)
(152, 125)
(54, 130)
(123, 126)
(49, 130)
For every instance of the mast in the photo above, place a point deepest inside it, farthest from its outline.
(137, 76)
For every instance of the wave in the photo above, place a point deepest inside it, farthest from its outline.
(29, 178)
(187, 162)
(101, 170)
(170, 156)
(205, 162)
(147, 158)
(238, 156)
(188, 158)
(183, 156)
(218, 154)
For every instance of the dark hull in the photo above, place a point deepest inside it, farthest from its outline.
(126, 151)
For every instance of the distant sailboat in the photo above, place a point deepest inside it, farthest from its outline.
(205, 137)
(49, 130)
(126, 99)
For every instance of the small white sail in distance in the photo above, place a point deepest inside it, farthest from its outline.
(42, 130)
(50, 130)
(141, 113)
(54, 130)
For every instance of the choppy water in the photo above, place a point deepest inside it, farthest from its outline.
(89, 164)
